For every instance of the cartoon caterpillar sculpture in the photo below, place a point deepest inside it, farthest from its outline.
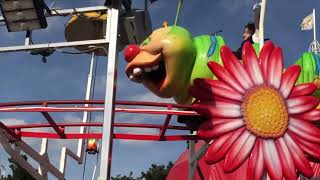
(169, 60)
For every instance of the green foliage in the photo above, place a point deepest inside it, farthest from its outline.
(155, 172)
(18, 173)
(123, 177)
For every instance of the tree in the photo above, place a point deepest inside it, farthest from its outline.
(123, 177)
(18, 173)
(155, 172)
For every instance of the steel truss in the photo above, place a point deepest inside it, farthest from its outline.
(11, 136)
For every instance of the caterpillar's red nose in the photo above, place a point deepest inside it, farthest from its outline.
(131, 52)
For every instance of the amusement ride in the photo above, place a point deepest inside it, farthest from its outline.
(243, 118)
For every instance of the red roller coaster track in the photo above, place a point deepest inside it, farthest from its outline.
(45, 107)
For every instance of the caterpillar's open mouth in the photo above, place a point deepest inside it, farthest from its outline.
(152, 72)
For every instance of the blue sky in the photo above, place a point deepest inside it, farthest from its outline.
(25, 77)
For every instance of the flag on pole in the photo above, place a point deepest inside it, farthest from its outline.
(307, 23)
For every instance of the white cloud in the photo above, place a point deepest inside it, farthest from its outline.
(100, 84)
(12, 121)
(149, 96)
(141, 131)
(71, 118)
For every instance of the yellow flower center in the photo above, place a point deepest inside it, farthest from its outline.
(265, 112)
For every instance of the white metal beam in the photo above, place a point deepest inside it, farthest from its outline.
(100, 42)
(89, 96)
(192, 164)
(42, 158)
(43, 152)
(57, 12)
(5, 138)
(108, 118)
(261, 23)
(63, 12)
(63, 158)
(195, 156)
(18, 158)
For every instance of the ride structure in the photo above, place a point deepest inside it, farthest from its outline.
(134, 25)
(228, 112)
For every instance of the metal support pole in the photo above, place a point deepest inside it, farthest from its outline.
(28, 40)
(107, 136)
(261, 23)
(314, 25)
(200, 152)
(192, 164)
(43, 152)
(89, 96)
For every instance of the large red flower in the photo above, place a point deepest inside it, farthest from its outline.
(256, 113)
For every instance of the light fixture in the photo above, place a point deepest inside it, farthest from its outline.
(23, 15)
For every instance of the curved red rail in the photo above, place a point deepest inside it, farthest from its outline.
(45, 107)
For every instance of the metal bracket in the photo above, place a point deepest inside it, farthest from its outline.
(314, 47)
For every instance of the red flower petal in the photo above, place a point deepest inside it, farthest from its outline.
(224, 104)
(305, 130)
(300, 162)
(211, 82)
(224, 76)
(251, 64)
(256, 162)
(201, 93)
(210, 111)
(289, 79)
(234, 67)
(264, 58)
(275, 68)
(239, 151)
(316, 169)
(310, 148)
(303, 89)
(218, 98)
(219, 148)
(221, 103)
(302, 104)
(211, 123)
(286, 160)
(220, 129)
(272, 160)
(311, 116)
(206, 87)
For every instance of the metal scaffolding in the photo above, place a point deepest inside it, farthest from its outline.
(11, 136)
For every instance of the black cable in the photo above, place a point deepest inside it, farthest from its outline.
(63, 15)
(90, 115)
(84, 166)
(82, 52)
(86, 17)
